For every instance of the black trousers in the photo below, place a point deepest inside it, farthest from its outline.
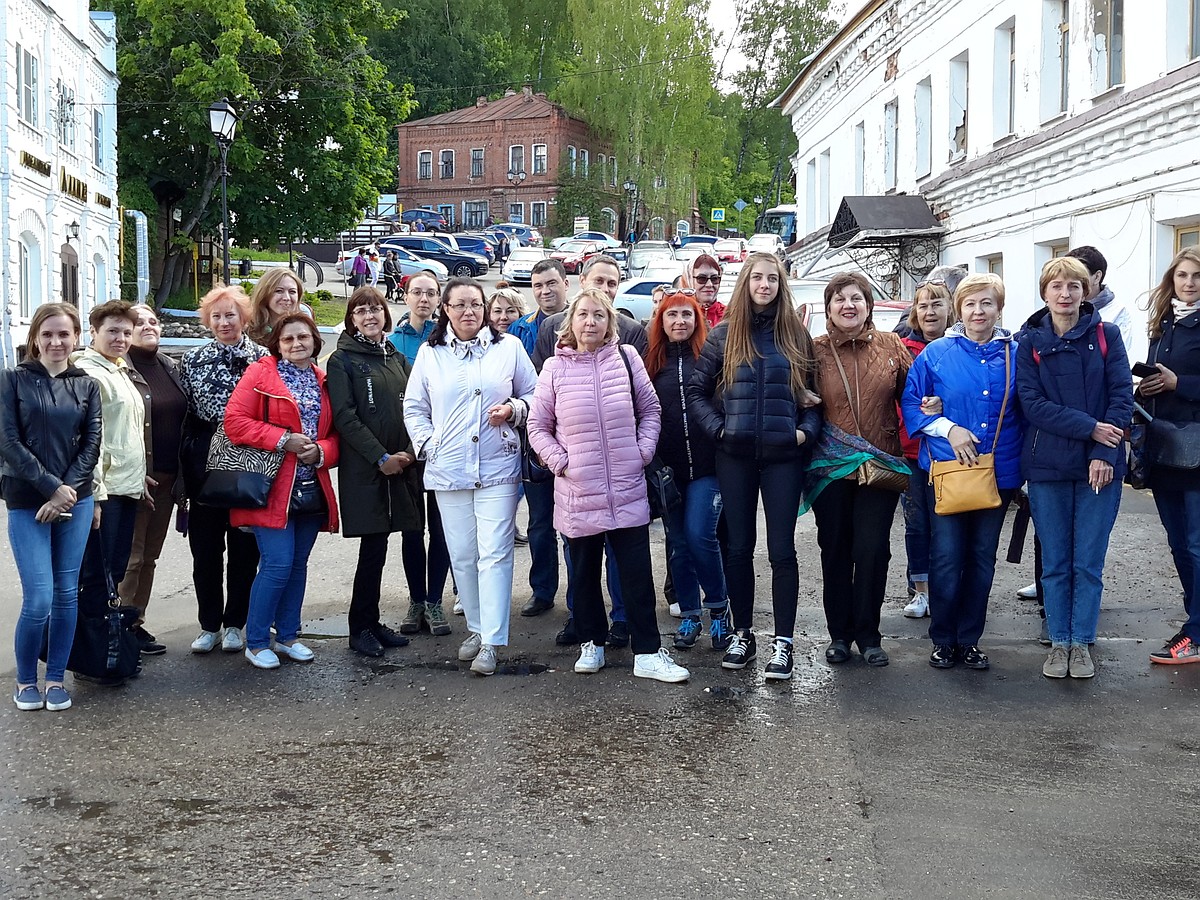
(854, 526)
(742, 480)
(368, 579)
(222, 592)
(111, 546)
(426, 573)
(631, 548)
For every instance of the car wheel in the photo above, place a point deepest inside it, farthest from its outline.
(464, 270)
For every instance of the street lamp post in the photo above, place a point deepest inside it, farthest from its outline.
(222, 122)
(631, 190)
(515, 177)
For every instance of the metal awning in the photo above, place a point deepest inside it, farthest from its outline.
(880, 221)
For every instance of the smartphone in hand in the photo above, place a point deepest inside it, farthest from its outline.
(1142, 370)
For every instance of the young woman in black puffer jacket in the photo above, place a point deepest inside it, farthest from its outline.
(752, 393)
(676, 336)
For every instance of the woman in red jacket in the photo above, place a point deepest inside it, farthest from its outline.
(282, 403)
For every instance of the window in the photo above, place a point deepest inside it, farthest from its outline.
(425, 165)
(29, 272)
(447, 164)
(477, 162)
(959, 85)
(571, 159)
(860, 158)
(447, 211)
(583, 163)
(64, 115)
(516, 212)
(539, 159)
(1004, 81)
(516, 158)
(537, 214)
(98, 138)
(993, 265)
(810, 195)
(823, 180)
(891, 137)
(1187, 236)
(1056, 57)
(602, 161)
(475, 213)
(1108, 44)
(27, 86)
(1057, 250)
(923, 121)
(612, 175)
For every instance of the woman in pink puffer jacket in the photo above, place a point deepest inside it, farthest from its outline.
(595, 423)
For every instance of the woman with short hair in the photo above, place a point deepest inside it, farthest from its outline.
(297, 418)
(50, 424)
(505, 306)
(276, 294)
(470, 389)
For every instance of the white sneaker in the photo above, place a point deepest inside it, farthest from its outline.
(233, 641)
(485, 661)
(263, 659)
(458, 609)
(675, 611)
(206, 642)
(295, 651)
(1029, 592)
(469, 648)
(659, 666)
(591, 659)
(918, 607)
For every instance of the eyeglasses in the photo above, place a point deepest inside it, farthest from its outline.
(368, 310)
(687, 292)
(708, 279)
(417, 292)
(461, 308)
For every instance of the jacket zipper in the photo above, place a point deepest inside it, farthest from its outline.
(603, 431)
(687, 436)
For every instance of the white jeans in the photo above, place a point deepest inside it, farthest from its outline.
(479, 526)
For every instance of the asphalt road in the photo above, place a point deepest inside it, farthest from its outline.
(409, 777)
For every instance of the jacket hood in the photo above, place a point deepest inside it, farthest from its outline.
(1088, 318)
(959, 330)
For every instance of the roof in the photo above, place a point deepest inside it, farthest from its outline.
(882, 219)
(520, 105)
(815, 59)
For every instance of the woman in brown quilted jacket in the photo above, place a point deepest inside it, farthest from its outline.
(854, 520)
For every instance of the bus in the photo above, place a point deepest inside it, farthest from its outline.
(780, 220)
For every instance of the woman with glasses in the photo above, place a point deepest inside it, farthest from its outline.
(425, 572)
(704, 276)
(380, 487)
(753, 394)
(470, 388)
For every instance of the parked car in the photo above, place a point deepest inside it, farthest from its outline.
(689, 252)
(633, 297)
(410, 264)
(428, 216)
(605, 240)
(520, 234)
(621, 255)
(574, 254)
(730, 250)
(519, 267)
(462, 264)
(709, 239)
(642, 256)
(767, 243)
(474, 244)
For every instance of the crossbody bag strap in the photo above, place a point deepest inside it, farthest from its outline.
(632, 389)
(846, 382)
(1004, 403)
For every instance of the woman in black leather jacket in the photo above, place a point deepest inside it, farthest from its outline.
(49, 445)
(752, 392)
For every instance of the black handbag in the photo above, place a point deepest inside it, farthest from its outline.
(662, 490)
(238, 477)
(533, 470)
(307, 499)
(1173, 444)
(1137, 471)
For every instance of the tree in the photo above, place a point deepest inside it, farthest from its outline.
(315, 107)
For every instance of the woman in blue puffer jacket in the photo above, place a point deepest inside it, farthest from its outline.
(972, 371)
(1077, 392)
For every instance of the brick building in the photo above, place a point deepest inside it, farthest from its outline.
(503, 159)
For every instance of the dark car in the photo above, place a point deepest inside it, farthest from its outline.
(462, 265)
(430, 217)
(477, 244)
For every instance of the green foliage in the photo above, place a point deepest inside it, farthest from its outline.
(258, 255)
(321, 296)
(330, 313)
(580, 195)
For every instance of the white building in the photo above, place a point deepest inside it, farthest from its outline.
(1029, 127)
(58, 161)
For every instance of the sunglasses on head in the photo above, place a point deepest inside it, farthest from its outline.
(671, 292)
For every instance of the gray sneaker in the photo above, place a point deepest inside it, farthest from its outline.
(1080, 663)
(469, 648)
(436, 617)
(485, 661)
(413, 618)
(1056, 664)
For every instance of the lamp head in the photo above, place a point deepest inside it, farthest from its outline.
(222, 121)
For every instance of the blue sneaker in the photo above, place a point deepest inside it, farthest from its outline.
(688, 632)
(57, 698)
(28, 698)
(720, 628)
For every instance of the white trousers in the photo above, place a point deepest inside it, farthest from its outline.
(479, 526)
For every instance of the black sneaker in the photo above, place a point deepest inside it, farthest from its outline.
(720, 628)
(780, 666)
(618, 635)
(943, 656)
(568, 636)
(389, 638)
(741, 650)
(687, 633)
(973, 658)
(147, 643)
(366, 644)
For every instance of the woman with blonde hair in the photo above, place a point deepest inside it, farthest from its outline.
(595, 423)
(505, 306)
(753, 393)
(278, 293)
(1173, 398)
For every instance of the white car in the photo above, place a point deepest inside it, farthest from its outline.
(645, 254)
(409, 263)
(518, 268)
(633, 297)
(606, 240)
(767, 243)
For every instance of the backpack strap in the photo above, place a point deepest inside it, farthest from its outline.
(1102, 340)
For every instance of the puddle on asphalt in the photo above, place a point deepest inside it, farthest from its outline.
(65, 803)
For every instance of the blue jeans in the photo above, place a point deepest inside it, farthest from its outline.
(1180, 514)
(278, 591)
(612, 579)
(693, 552)
(962, 566)
(47, 558)
(917, 517)
(1073, 523)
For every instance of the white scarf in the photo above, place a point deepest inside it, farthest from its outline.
(1182, 309)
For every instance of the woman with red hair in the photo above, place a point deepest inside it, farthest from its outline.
(676, 336)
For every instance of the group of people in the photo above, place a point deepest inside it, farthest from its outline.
(441, 423)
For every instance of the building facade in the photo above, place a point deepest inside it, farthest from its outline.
(59, 219)
(1029, 127)
(503, 160)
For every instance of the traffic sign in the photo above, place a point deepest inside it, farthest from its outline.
(739, 204)
(718, 214)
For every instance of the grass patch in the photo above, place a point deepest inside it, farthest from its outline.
(237, 253)
(326, 310)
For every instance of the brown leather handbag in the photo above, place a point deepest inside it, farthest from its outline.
(872, 473)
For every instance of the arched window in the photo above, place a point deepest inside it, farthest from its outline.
(29, 273)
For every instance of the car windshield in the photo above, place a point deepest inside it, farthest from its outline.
(640, 257)
(728, 245)
(576, 246)
(763, 240)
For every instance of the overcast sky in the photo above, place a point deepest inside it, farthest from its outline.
(723, 18)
